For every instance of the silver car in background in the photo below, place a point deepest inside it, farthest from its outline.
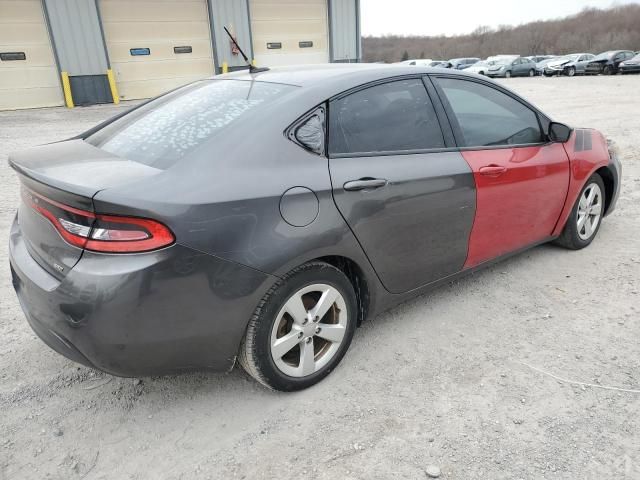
(570, 65)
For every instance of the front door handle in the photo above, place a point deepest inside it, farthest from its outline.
(492, 170)
(364, 184)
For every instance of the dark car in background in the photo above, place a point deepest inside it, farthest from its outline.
(506, 68)
(263, 216)
(631, 65)
(607, 63)
(440, 64)
(462, 63)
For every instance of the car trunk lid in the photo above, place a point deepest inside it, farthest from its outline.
(58, 182)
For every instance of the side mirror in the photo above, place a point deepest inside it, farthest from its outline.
(559, 132)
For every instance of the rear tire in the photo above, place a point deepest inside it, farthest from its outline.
(288, 347)
(585, 219)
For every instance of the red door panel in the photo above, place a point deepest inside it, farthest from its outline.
(520, 193)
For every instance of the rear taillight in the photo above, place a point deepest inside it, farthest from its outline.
(100, 233)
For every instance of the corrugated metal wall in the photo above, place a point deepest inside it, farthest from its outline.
(77, 37)
(344, 30)
(233, 14)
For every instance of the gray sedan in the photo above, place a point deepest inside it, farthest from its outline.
(570, 65)
(262, 216)
(506, 68)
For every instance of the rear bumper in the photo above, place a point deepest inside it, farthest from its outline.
(156, 313)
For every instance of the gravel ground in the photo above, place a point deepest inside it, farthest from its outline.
(452, 379)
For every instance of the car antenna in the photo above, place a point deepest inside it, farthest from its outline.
(252, 68)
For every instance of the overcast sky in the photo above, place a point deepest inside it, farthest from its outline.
(451, 17)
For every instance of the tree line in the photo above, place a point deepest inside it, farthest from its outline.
(592, 30)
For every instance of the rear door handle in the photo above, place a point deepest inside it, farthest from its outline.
(492, 170)
(364, 184)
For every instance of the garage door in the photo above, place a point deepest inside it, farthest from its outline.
(289, 32)
(28, 73)
(156, 45)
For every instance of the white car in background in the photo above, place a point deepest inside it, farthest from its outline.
(480, 67)
(422, 62)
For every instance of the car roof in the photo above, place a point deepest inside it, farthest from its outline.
(312, 75)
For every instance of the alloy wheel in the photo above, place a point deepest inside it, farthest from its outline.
(308, 330)
(589, 211)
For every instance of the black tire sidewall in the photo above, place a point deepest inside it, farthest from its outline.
(572, 227)
(316, 273)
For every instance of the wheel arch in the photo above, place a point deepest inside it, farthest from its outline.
(609, 186)
(358, 280)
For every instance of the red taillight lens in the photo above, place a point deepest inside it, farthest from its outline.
(100, 233)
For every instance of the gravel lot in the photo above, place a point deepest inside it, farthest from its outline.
(451, 379)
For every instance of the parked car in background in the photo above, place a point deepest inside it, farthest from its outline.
(493, 58)
(481, 67)
(570, 65)
(440, 64)
(134, 253)
(607, 63)
(462, 63)
(506, 68)
(422, 62)
(542, 64)
(630, 66)
(541, 58)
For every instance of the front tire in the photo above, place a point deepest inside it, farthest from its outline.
(507, 74)
(586, 216)
(606, 70)
(571, 71)
(532, 73)
(301, 329)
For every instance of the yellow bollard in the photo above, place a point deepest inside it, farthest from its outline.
(113, 87)
(66, 88)
(225, 67)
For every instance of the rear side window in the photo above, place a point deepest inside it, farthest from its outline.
(488, 117)
(391, 117)
(163, 131)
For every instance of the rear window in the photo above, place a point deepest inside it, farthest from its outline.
(163, 131)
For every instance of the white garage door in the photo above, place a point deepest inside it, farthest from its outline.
(156, 45)
(34, 81)
(289, 32)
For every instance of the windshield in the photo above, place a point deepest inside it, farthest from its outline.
(605, 55)
(164, 130)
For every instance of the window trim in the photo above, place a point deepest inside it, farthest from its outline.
(448, 145)
(457, 131)
(291, 131)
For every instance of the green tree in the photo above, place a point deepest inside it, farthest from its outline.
(405, 56)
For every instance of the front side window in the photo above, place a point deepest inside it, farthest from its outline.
(390, 117)
(487, 117)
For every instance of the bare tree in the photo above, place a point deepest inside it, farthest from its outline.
(591, 30)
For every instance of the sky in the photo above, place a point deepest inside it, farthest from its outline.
(452, 17)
